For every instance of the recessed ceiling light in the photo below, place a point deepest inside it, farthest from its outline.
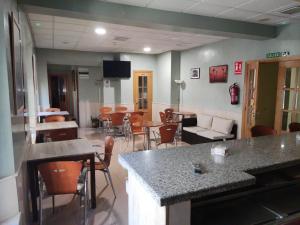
(100, 31)
(38, 24)
(147, 49)
(284, 22)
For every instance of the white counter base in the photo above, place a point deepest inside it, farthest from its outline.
(144, 210)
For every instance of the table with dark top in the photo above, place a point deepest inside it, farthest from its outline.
(72, 150)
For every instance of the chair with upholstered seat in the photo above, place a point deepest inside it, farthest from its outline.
(294, 127)
(63, 177)
(260, 130)
(54, 119)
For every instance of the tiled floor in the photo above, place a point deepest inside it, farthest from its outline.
(109, 211)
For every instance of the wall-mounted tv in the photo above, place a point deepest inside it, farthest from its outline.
(116, 69)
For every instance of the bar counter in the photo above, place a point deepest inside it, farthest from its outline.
(166, 179)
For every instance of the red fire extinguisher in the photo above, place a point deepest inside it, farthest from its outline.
(234, 91)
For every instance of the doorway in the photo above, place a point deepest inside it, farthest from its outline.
(272, 94)
(63, 89)
(142, 93)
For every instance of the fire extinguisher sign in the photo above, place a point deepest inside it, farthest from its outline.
(238, 67)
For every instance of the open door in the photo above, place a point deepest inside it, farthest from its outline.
(250, 97)
(288, 99)
(142, 93)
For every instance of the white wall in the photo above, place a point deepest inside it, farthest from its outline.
(213, 98)
(92, 92)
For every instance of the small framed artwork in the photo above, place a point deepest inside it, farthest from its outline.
(218, 74)
(195, 73)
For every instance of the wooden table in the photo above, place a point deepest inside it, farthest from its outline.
(58, 131)
(147, 125)
(73, 150)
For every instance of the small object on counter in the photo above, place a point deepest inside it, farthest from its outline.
(197, 168)
(220, 150)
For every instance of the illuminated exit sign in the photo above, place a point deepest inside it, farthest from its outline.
(277, 54)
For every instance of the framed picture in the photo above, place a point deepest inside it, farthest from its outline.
(17, 66)
(218, 74)
(195, 73)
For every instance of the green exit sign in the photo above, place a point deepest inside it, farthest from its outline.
(277, 54)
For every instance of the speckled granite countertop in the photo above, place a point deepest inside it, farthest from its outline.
(168, 174)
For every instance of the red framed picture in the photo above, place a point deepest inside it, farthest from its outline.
(218, 74)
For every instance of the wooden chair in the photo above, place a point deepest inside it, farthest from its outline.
(136, 130)
(104, 163)
(117, 121)
(167, 135)
(169, 114)
(120, 108)
(294, 127)
(54, 119)
(52, 110)
(63, 177)
(260, 130)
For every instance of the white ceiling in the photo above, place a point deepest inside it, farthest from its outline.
(74, 34)
(260, 11)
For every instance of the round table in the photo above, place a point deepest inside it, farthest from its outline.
(147, 125)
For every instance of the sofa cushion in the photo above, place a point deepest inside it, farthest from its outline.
(204, 121)
(222, 125)
(193, 130)
(214, 135)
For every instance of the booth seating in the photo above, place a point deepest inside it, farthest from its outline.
(207, 128)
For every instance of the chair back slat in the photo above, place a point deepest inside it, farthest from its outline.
(135, 118)
(52, 110)
(169, 114)
(120, 108)
(109, 145)
(117, 118)
(167, 133)
(60, 177)
(54, 119)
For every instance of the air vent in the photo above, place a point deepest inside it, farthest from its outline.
(291, 11)
(121, 38)
(83, 73)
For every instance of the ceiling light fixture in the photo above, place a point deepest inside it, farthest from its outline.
(100, 31)
(38, 24)
(147, 49)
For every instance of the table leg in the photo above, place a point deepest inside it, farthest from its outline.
(33, 190)
(93, 182)
(148, 138)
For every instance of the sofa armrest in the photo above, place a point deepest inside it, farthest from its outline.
(234, 130)
(189, 122)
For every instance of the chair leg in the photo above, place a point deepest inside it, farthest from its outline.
(133, 142)
(53, 203)
(111, 183)
(40, 203)
(105, 178)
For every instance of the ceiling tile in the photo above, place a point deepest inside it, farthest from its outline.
(142, 3)
(229, 3)
(174, 5)
(69, 27)
(206, 9)
(237, 14)
(41, 24)
(265, 5)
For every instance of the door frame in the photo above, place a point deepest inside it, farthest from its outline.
(281, 79)
(280, 60)
(150, 91)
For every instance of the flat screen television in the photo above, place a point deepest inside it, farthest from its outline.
(116, 69)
